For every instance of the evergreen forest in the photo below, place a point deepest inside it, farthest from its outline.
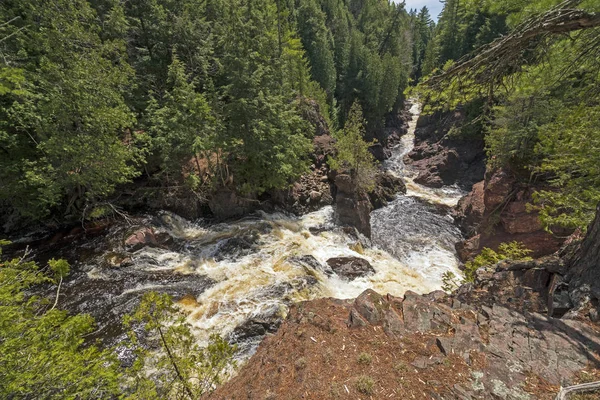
(190, 99)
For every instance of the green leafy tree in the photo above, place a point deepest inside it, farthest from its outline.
(43, 354)
(172, 364)
(353, 152)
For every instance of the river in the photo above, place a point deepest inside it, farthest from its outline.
(225, 275)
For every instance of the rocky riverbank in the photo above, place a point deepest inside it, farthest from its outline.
(492, 339)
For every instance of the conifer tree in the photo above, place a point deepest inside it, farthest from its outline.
(353, 153)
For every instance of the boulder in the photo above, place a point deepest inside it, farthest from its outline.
(236, 247)
(309, 263)
(352, 208)
(387, 186)
(350, 267)
(141, 238)
(371, 306)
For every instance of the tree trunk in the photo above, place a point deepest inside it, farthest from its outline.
(583, 274)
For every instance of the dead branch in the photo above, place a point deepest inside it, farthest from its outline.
(490, 63)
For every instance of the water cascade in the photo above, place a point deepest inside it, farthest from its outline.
(246, 273)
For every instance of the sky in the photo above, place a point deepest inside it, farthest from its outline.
(434, 6)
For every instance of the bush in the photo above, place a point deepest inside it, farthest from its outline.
(365, 384)
(506, 251)
(364, 358)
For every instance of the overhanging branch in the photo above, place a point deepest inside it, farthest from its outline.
(490, 63)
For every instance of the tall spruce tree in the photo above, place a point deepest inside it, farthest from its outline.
(64, 129)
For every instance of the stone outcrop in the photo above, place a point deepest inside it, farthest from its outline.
(352, 208)
(496, 211)
(350, 267)
(140, 238)
(442, 158)
(436, 345)
(387, 186)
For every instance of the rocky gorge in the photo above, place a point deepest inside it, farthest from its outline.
(522, 330)
(329, 293)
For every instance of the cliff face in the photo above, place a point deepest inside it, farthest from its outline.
(496, 211)
(442, 158)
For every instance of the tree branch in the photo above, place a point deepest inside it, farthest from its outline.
(492, 62)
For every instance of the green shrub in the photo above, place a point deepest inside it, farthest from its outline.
(365, 384)
(506, 251)
(364, 358)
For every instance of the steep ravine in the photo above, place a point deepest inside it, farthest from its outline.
(239, 278)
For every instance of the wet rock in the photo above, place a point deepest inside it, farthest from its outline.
(280, 290)
(141, 238)
(350, 267)
(309, 263)
(387, 187)
(352, 208)
(379, 152)
(117, 260)
(236, 247)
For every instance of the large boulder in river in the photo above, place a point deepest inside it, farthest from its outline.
(387, 186)
(352, 208)
(350, 267)
(141, 238)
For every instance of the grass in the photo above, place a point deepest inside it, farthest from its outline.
(400, 368)
(365, 384)
(364, 358)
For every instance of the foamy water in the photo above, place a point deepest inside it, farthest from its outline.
(226, 274)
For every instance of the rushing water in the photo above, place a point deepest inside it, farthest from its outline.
(227, 274)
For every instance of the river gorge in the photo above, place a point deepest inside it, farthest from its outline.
(238, 278)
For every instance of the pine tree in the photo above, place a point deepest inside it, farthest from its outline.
(263, 134)
(352, 152)
(181, 124)
(64, 140)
